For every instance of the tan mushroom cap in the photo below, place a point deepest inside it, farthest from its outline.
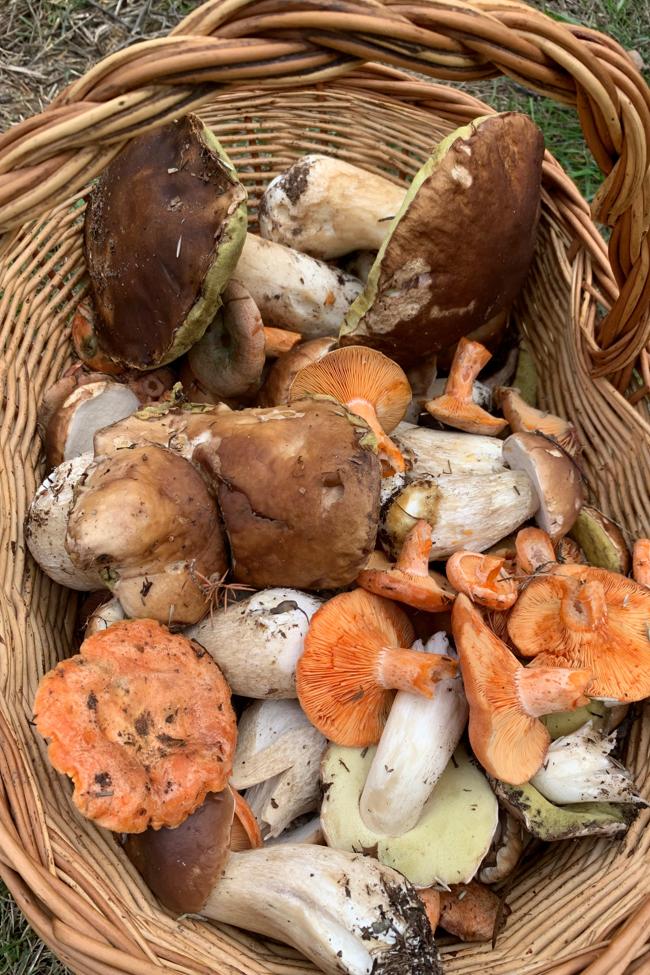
(483, 578)
(555, 477)
(534, 550)
(506, 700)
(354, 659)
(369, 384)
(583, 617)
(409, 580)
(524, 418)
(455, 407)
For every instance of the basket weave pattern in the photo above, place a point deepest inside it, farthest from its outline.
(275, 80)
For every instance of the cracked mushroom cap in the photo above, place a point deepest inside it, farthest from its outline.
(164, 229)
(228, 360)
(142, 723)
(506, 700)
(354, 659)
(298, 489)
(479, 195)
(582, 617)
(368, 383)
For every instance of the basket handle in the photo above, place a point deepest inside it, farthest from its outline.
(272, 43)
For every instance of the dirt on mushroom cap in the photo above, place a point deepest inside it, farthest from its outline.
(141, 721)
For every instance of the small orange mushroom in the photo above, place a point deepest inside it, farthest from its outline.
(524, 418)
(535, 551)
(142, 723)
(277, 341)
(641, 562)
(430, 897)
(369, 384)
(409, 580)
(580, 616)
(354, 659)
(472, 912)
(245, 833)
(456, 407)
(483, 578)
(85, 344)
(506, 699)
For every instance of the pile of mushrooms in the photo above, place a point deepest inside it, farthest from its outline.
(353, 637)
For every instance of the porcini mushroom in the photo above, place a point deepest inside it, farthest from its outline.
(141, 721)
(483, 578)
(145, 521)
(163, 231)
(298, 489)
(47, 523)
(506, 700)
(431, 453)
(579, 616)
(177, 425)
(556, 479)
(578, 768)
(456, 407)
(310, 831)
(464, 511)
(276, 388)
(506, 850)
(484, 181)
(258, 640)
(326, 207)
(524, 418)
(601, 540)
(451, 837)
(293, 290)
(427, 730)
(228, 360)
(552, 823)
(369, 384)
(104, 616)
(278, 763)
(409, 580)
(354, 658)
(89, 408)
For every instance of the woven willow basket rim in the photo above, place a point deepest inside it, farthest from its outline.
(231, 58)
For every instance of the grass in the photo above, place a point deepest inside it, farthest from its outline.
(44, 44)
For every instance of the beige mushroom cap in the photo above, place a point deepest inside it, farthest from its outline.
(555, 477)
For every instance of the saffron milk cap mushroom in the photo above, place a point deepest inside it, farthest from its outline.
(472, 912)
(277, 385)
(555, 476)
(456, 407)
(506, 700)
(484, 578)
(641, 562)
(326, 207)
(535, 552)
(354, 658)
(164, 227)
(369, 384)
(257, 641)
(142, 723)
(84, 340)
(481, 187)
(524, 418)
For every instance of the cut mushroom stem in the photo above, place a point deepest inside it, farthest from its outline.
(534, 550)
(524, 418)
(327, 207)
(641, 562)
(456, 407)
(312, 298)
(428, 732)
(409, 580)
(506, 699)
(578, 768)
(277, 341)
(483, 578)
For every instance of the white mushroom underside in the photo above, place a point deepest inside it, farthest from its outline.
(112, 402)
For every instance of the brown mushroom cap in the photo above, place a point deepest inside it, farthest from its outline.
(182, 865)
(179, 427)
(479, 195)
(164, 228)
(229, 359)
(145, 519)
(472, 912)
(298, 489)
(555, 477)
(275, 391)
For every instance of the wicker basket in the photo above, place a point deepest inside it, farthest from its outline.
(275, 80)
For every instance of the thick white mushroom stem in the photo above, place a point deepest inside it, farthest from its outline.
(294, 291)
(420, 736)
(434, 452)
(326, 207)
(344, 911)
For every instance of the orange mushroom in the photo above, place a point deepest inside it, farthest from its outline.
(369, 384)
(641, 562)
(534, 550)
(455, 407)
(142, 723)
(483, 578)
(85, 344)
(524, 418)
(354, 659)
(245, 833)
(431, 899)
(409, 580)
(277, 341)
(580, 616)
(506, 699)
